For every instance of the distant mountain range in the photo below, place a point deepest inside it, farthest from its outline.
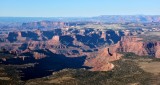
(103, 18)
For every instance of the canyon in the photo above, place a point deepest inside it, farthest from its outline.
(46, 47)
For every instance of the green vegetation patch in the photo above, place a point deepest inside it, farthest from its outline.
(150, 36)
(9, 76)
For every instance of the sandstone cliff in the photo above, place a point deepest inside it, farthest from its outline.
(138, 46)
(101, 62)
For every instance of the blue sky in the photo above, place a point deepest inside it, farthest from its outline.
(77, 8)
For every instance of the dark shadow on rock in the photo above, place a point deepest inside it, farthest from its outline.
(47, 65)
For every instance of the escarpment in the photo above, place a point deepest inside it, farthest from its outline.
(100, 47)
(138, 46)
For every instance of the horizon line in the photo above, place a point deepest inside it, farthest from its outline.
(71, 16)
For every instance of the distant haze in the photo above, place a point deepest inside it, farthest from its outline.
(104, 18)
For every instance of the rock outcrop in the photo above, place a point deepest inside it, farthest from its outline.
(138, 46)
(101, 62)
(37, 55)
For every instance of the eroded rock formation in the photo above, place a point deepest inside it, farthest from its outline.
(138, 46)
(100, 47)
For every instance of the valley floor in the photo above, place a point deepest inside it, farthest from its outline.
(130, 70)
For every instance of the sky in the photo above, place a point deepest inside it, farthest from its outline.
(77, 8)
